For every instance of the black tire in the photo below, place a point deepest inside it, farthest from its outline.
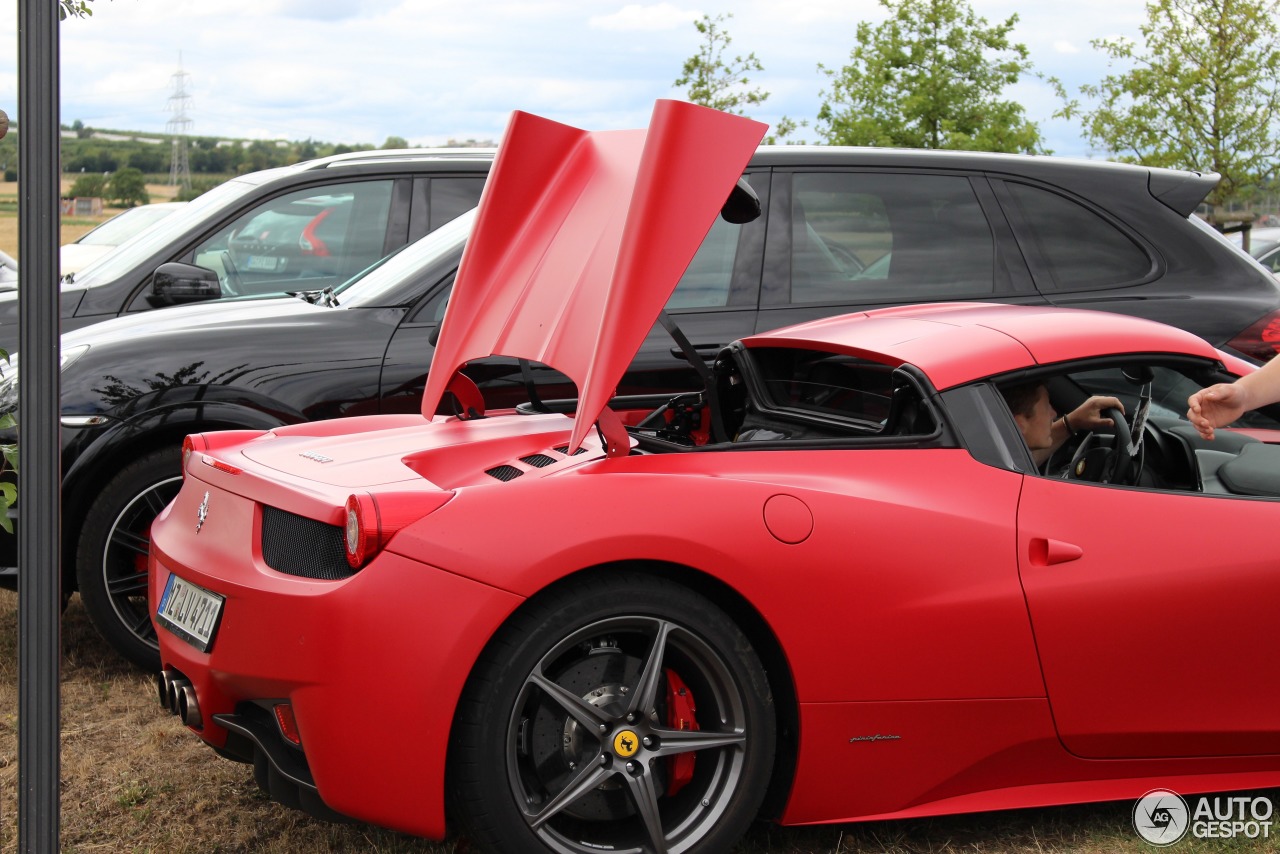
(545, 758)
(111, 554)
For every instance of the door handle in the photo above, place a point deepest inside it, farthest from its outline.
(1046, 552)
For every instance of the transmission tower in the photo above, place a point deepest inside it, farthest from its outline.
(178, 127)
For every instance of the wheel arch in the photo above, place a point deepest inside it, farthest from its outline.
(126, 440)
(753, 625)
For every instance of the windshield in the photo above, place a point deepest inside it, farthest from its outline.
(124, 225)
(139, 248)
(370, 286)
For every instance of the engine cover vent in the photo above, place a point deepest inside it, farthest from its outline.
(538, 461)
(504, 473)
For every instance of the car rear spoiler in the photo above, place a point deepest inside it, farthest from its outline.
(1181, 191)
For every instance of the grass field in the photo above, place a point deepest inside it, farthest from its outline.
(72, 227)
(134, 779)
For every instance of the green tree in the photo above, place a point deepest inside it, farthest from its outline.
(74, 9)
(930, 76)
(1201, 92)
(148, 158)
(89, 185)
(715, 82)
(128, 188)
(396, 142)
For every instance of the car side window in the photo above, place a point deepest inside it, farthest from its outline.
(729, 256)
(1077, 248)
(707, 280)
(305, 240)
(857, 236)
(452, 197)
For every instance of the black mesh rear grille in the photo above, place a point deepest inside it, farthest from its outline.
(538, 461)
(296, 545)
(564, 449)
(504, 473)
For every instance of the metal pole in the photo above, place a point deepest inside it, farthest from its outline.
(39, 541)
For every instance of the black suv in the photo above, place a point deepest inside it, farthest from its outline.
(304, 227)
(842, 229)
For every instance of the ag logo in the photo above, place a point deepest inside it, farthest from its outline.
(625, 744)
(202, 512)
(1160, 817)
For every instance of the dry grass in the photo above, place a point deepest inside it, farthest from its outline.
(72, 227)
(134, 779)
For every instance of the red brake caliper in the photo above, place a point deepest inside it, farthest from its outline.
(681, 714)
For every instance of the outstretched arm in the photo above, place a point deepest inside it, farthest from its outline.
(1219, 405)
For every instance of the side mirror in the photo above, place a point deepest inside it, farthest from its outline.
(742, 206)
(178, 284)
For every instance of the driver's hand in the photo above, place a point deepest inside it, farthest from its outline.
(1088, 415)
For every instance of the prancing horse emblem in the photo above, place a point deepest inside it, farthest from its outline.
(202, 512)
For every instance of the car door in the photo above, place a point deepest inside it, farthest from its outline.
(844, 240)
(1154, 617)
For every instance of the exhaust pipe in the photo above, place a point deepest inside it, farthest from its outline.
(189, 707)
(162, 684)
(171, 683)
(168, 683)
(179, 697)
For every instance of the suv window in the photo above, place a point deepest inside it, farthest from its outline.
(306, 240)
(452, 197)
(859, 236)
(1077, 247)
(707, 280)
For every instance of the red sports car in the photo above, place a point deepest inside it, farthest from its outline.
(834, 585)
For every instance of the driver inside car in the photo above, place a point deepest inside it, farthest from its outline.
(1042, 429)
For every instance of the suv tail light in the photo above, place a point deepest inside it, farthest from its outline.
(1260, 341)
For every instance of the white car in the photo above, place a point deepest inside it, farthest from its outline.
(110, 234)
(8, 271)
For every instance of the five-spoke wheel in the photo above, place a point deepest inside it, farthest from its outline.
(628, 714)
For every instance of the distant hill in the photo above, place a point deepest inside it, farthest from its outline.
(88, 149)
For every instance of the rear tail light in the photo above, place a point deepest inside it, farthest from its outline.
(190, 445)
(363, 529)
(1260, 341)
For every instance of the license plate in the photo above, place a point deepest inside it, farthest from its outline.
(263, 262)
(190, 612)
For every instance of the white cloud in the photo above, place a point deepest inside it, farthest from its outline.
(358, 71)
(634, 17)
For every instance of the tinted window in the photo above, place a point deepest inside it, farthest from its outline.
(706, 282)
(1077, 248)
(859, 236)
(306, 240)
(451, 197)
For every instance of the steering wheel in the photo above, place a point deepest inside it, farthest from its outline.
(1114, 463)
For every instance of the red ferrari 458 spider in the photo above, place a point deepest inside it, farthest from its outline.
(833, 585)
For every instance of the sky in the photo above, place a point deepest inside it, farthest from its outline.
(359, 71)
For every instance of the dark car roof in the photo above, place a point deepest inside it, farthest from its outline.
(1180, 190)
